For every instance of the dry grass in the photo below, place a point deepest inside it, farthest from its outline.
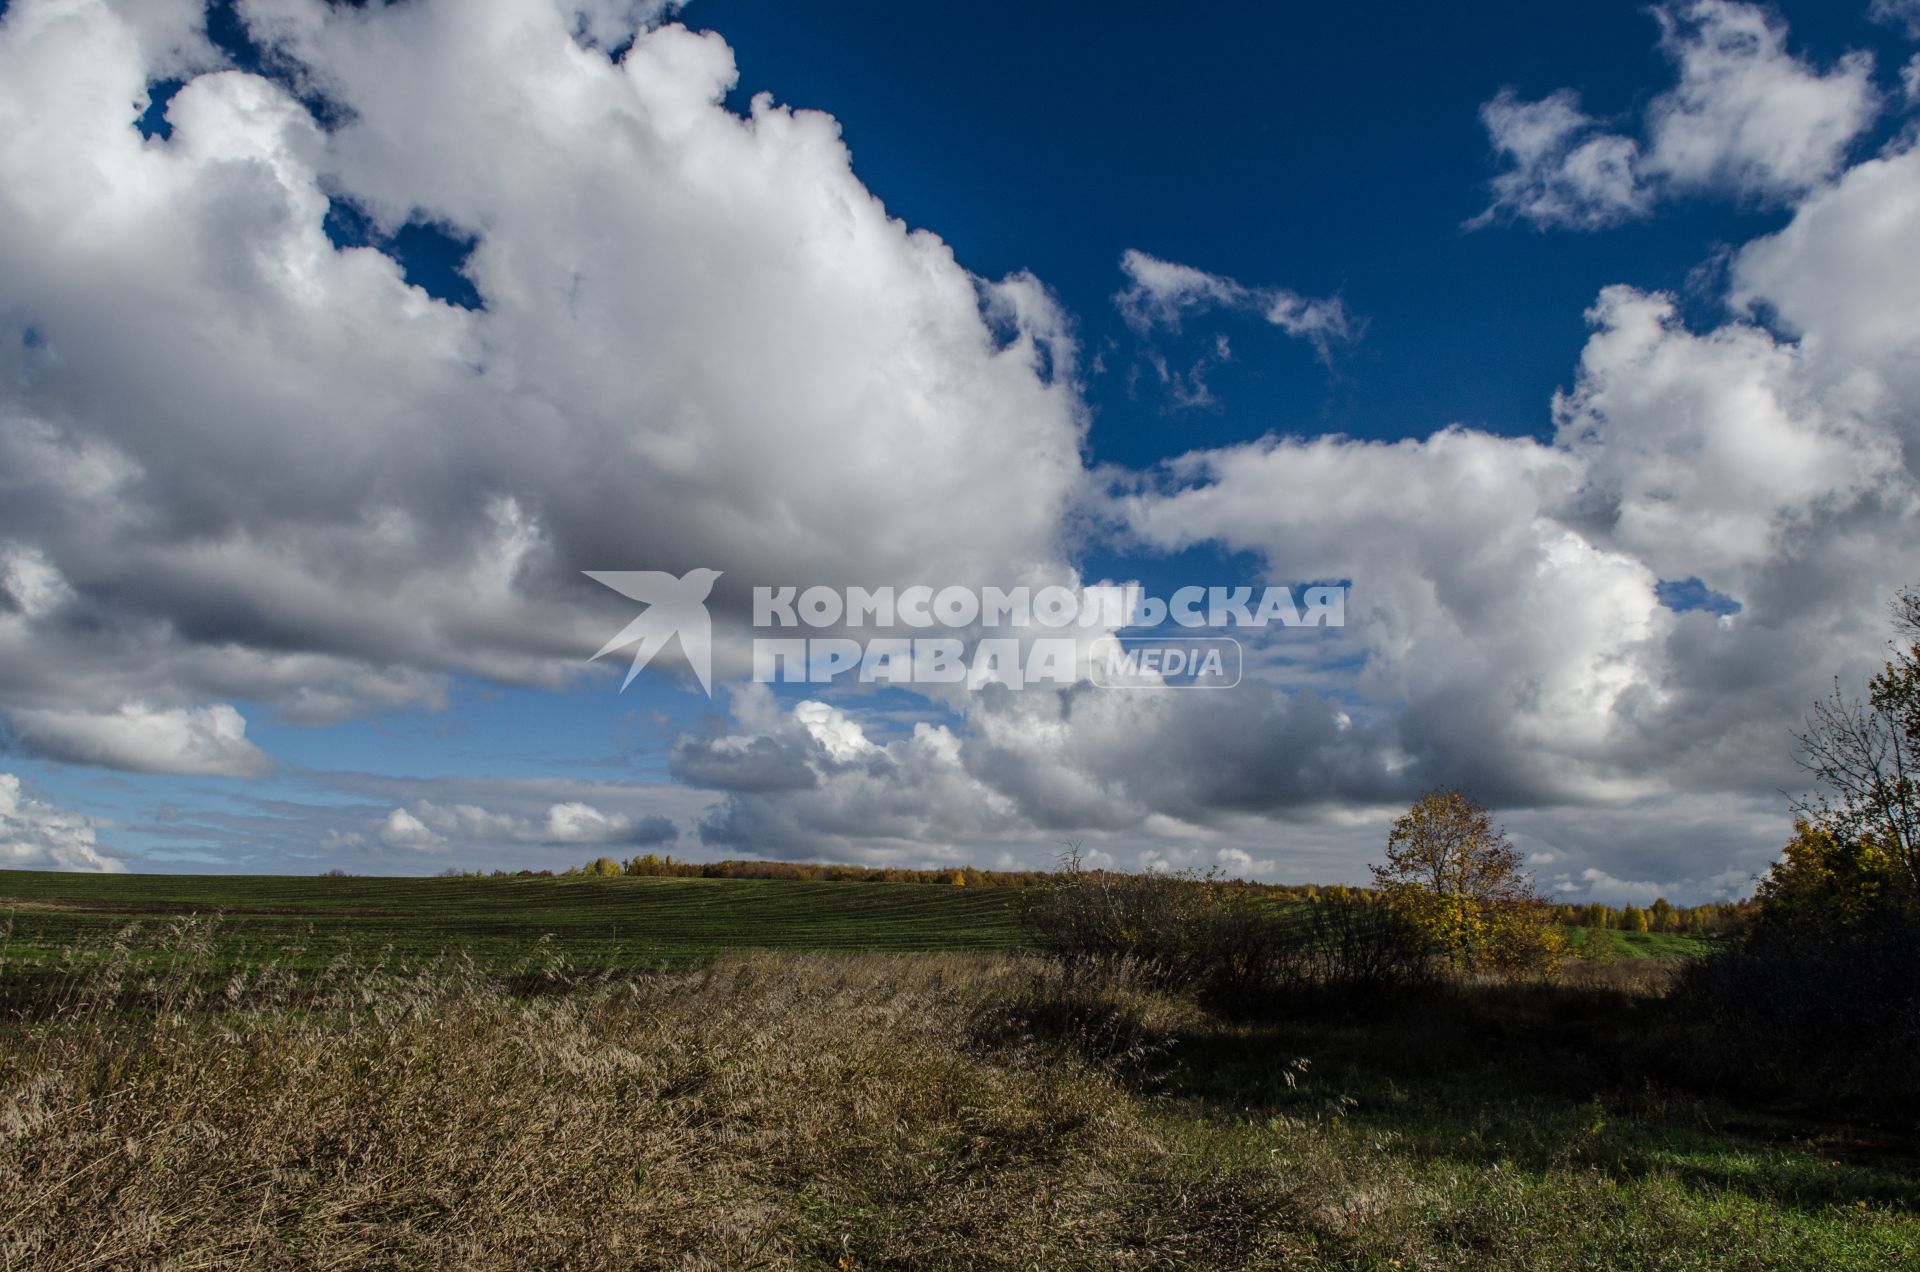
(943, 1111)
(764, 1112)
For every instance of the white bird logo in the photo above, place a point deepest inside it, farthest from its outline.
(676, 606)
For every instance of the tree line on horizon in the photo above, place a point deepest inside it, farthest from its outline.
(1660, 916)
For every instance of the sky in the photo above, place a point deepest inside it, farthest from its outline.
(338, 342)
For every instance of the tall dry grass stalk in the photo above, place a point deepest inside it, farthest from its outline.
(936, 1111)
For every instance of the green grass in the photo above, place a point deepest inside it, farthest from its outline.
(1640, 944)
(1531, 1126)
(592, 923)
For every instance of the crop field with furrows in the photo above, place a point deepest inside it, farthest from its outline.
(586, 922)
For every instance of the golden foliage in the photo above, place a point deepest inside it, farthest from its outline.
(1827, 881)
(1457, 878)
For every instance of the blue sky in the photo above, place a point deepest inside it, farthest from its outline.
(374, 362)
(1321, 147)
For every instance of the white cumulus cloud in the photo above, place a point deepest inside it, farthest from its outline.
(1745, 118)
(210, 741)
(36, 835)
(405, 831)
(262, 466)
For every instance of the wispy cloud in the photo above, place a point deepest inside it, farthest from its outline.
(1746, 118)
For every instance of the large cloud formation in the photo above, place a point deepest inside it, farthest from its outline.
(240, 461)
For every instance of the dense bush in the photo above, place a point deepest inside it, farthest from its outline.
(1816, 991)
(1832, 1020)
(1237, 947)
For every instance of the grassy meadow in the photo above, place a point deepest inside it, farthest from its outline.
(757, 1073)
(1634, 945)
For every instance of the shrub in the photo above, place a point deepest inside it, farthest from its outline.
(1816, 989)
(1790, 1013)
(1233, 945)
(1598, 946)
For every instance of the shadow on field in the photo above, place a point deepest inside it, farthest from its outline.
(1538, 1076)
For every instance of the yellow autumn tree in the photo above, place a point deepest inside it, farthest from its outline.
(1661, 915)
(1455, 875)
(1825, 883)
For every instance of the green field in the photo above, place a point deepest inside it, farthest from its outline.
(1632, 945)
(591, 923)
